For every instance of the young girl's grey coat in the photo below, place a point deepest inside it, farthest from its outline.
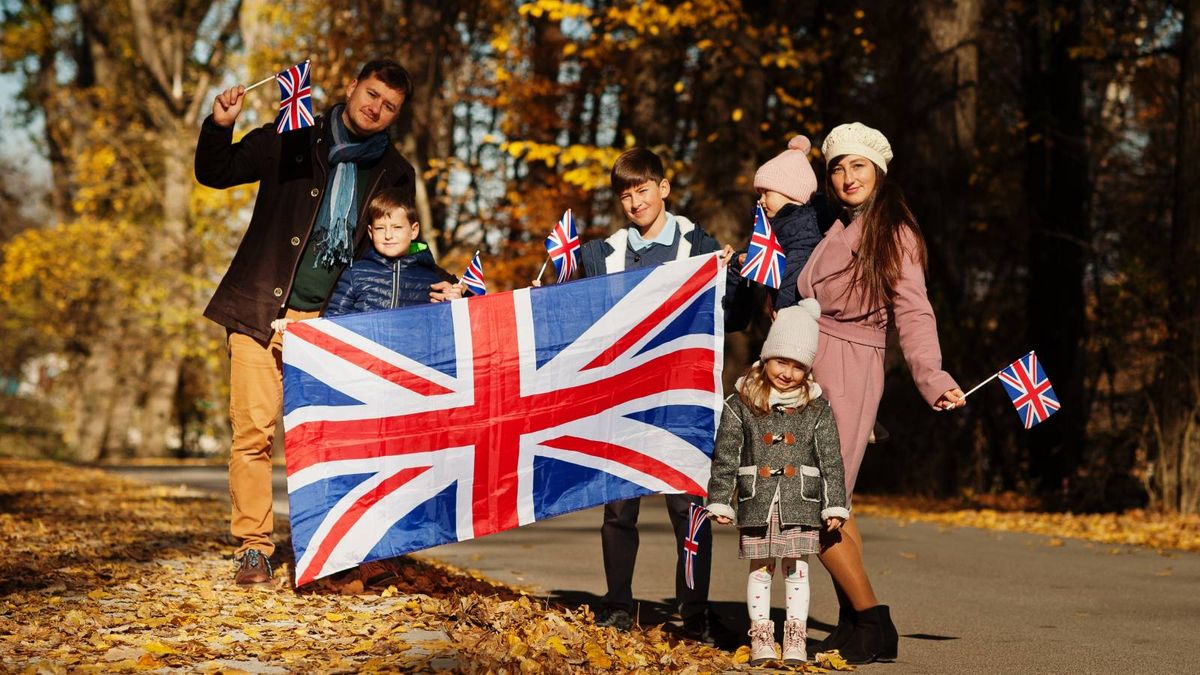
(816, 491)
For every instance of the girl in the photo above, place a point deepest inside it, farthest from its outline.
(777, 448)
(868, 276)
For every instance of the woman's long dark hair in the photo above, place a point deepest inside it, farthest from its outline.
(875, 271)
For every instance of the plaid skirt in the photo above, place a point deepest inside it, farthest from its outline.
(776, 541)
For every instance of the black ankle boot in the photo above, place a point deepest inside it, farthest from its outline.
(845, 626)
(874, 637)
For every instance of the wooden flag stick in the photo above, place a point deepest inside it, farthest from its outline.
(976, 387)
(541, 271)
(259, 83)
(994, 376)
(265, 80)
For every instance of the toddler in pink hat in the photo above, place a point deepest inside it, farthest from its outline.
(786, 184)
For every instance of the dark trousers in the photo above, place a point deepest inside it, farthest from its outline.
(619, 537)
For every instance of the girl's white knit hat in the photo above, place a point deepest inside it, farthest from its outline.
(857, 139)
(794, 334)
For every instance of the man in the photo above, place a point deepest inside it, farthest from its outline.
(305, 228)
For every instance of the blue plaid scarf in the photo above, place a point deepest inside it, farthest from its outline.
(336, 218)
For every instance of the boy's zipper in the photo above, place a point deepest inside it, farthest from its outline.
(395, 283)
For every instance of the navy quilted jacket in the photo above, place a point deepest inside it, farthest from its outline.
(374, 282)
(798, 232)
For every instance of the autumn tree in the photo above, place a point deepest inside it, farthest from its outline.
(1175, 420)
(120, 124)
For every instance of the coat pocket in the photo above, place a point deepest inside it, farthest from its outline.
(747, 482)
(811, 483)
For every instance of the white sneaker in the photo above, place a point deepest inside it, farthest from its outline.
(794, 638)
(762, 642)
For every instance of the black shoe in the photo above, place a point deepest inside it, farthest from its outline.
(615, 618)
(699, 629)
(845, 626)
(874, 638)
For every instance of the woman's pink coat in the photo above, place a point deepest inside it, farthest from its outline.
(849, 362)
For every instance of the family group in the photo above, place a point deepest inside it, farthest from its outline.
(792, 435)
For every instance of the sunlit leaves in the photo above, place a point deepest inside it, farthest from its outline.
(106, 575)
(1135, 527)
(555, 10)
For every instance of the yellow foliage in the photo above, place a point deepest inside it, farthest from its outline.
(1135, 527)
(589, 164)
(50, 276)
(596, 656)
(555, 10)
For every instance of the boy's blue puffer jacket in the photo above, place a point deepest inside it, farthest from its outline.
(374, 282)
(798, 233)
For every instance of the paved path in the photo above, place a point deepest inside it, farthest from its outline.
(965, 600)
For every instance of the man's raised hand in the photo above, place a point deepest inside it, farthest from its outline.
(228, 105)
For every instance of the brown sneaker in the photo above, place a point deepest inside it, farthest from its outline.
(253, 569)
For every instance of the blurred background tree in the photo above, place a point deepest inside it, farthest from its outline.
(1047, 147)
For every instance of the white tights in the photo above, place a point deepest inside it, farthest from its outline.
(758, 588)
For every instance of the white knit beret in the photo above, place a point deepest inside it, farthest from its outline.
(857, 139)
(794, 334)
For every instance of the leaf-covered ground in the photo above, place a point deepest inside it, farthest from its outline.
(103, 574)
(1136, 527)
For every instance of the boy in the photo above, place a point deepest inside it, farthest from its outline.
(653, 236)
(398, 270)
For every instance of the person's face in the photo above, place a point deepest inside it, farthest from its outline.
(392, 235)
(371, 106)
(853, 180)
(643, 204)
(772, 201)
(784, 374)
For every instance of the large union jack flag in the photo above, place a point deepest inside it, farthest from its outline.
(765, 259)
(563, 246)
(415, 427)
(295, 99)
(1029, 389)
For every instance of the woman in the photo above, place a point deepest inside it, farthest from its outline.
(867, 275)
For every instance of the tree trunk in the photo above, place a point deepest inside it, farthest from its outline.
(123, 405)
(1175, 416)
(934, 135)
(170, 247)
(943, 125)
(91, 399)
(1056, 185)
(156, 422)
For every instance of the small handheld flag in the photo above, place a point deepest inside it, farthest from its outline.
(473, 277)
(563, 247)
(697, 517)
(295, 99)
(1029, 389)
(765, 260)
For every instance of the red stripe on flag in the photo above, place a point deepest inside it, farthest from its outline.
(700, 279)
(368, 362)
(632, 458)
(351, 516)
(310, 443)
